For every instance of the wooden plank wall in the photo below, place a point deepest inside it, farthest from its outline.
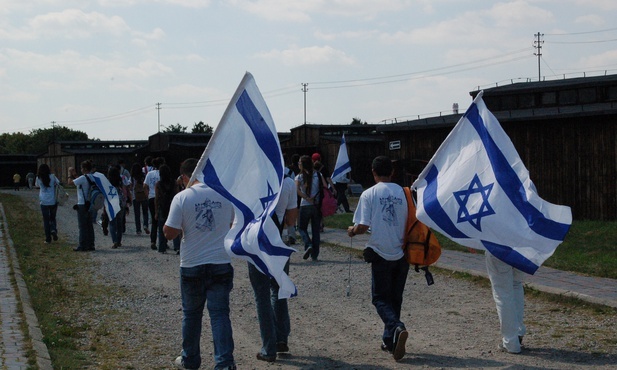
(571, 161)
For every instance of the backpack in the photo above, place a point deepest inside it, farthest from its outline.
(95, 198)
(140, 191)
(327, 200)
(420, 245)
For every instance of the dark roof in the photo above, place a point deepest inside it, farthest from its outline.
(518, 87)
(423, 123)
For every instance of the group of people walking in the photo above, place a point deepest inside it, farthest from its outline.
(203, 218)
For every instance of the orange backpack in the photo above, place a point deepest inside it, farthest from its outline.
(421, 247)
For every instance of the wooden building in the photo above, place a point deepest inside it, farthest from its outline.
(363, 142)
(11, 164)
(565, 132)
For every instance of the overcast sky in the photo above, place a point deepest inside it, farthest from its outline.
(101, 66)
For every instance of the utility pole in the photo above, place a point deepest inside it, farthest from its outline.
(304, 90)
(538, 45)
(158, 108)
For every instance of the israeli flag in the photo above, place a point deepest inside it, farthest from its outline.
(110, 193)
(243, 162)
(342, 163)
(477, 191)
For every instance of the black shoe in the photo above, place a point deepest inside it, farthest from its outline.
(153, 246)
(266, 358)
(307, 253)
(385, 348)
(79, 250)
(400, 337)
(54, 236)
(282, 347)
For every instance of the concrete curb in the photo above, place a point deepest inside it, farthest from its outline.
(43, 359)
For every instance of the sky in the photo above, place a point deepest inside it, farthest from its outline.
(123, 69)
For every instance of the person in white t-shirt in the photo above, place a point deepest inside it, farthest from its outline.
(47, 182)
(383, 208)
(84, 216)
(152, 177)
(204, 217)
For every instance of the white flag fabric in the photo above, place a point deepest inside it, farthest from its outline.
(476, 191)
(243, 162)
(112, 202)
(342, 163)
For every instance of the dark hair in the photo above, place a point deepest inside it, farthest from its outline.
(382, 166)
(188, 166)
(113, 175)
(43, 174)
(307, 172)
(86, 165)
(136, 172)
(167, 181)
(295, 158)
(148, 161)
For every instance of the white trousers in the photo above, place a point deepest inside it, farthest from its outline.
(507, 285)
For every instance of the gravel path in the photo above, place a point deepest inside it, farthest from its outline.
(452, 324)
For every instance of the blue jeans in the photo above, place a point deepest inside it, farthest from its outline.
(140, 208)
(313, 215)
(200, 285)
(86, 229)
(387, 286)
(115, 227)
(49, 220)
(272, 313)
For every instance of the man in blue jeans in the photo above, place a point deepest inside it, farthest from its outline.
(383, 208)
(206, 274)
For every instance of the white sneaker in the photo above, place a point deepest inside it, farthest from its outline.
(179, 363)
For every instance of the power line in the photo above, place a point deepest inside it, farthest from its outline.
(580, 33)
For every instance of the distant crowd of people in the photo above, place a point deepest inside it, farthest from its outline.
(196, 219)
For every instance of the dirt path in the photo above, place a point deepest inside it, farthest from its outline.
(452, 324)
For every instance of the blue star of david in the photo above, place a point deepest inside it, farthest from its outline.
(485, 209)
(112, 191)
(269, 198)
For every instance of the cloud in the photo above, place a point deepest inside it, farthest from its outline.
(601, 60)
(304, 11)
(593, 20)
(312, 55)
(184, 3)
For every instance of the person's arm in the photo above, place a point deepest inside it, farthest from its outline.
(170, 232)
(301, 194)
(356, 230)
(72, 176)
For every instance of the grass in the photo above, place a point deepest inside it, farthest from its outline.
(45, 271)
(590, 248)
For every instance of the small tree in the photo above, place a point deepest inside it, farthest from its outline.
(357, 121)
(175, 129)
(202, 128)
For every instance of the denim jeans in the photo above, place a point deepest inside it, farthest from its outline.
(49, 220)
(154, 229)
(115, 227)
(206, 285)
(388, 284)
(86, 229)
(310, 214)
(272, 313)
(140, 208)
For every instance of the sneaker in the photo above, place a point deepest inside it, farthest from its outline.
(47, 242)
(282, 347)
(501, 348)
(261, 357)
(54, 236)
(180, 364)
(400, 337)
(146, 230)
(153, 246)
(139, 233)
(307, 253)
(116, 245)
(291, 240)
(385, 348)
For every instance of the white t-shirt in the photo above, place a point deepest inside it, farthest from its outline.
(288, 198)
(204, 217)
(83, 187)
(314, 189)
(151, 179)
(383, 207)
(47, 195)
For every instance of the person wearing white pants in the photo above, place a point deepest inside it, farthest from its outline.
(507, 285)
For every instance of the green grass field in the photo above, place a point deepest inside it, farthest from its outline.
(590, 247)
